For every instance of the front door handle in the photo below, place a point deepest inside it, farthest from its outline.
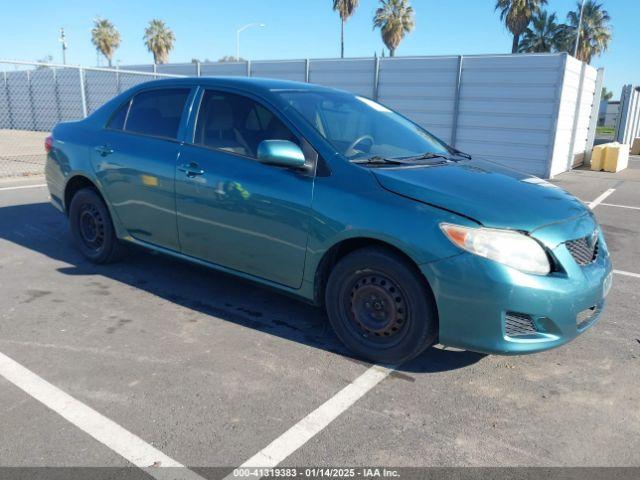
(104, 150)
(192, 169)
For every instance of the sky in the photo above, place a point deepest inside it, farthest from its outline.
(206, 29)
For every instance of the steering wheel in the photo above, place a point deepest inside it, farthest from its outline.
(351, 150)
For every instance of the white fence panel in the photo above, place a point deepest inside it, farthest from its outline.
(575, 110)
(21, 108)
(628, 124)
(5, 103)
(139, 68)
(507, 109)
(356, 76)
(187, 69)
(295, 70)
(100, 87)
(128, 80)
(43, 91)
(423, 89)
(69, 94)
(238, 69)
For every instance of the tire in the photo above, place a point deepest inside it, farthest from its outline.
(92, 228)
(380, 306)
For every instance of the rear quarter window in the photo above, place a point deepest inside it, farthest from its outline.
(157, 113)
(118, 118)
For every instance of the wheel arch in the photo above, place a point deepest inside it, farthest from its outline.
(74, 185)
(346, 246)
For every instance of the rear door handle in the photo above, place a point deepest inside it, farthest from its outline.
(192, 169)
(104, 150)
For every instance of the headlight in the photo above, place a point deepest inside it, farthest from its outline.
(505, 246)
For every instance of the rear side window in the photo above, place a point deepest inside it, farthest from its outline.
(118, 118)
(157, 112)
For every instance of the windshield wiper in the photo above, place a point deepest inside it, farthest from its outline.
(457, 152)
(428, 156)
(377, 160)
(414, 160)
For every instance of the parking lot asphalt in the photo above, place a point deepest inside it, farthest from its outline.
(210, 370)
(21, 153)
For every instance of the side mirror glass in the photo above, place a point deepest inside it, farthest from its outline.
(282, 153)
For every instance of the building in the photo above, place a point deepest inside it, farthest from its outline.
(609, 112)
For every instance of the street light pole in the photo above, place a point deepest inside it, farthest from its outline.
(63, 41)
(239, 31)
(575, 51)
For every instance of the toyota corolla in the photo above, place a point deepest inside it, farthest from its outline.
(337, 199)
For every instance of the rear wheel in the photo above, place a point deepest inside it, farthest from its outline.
(92, 228)
(380, 306)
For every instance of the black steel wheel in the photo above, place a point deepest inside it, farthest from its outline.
(380, 306)
(377, 307)
(92, 228)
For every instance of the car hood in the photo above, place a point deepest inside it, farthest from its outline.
(492, 195)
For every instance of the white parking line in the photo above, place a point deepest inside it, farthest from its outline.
(600, 199)
(619, 206)
(316, 421)
(106, 431)
(628, 274)
(20, 187)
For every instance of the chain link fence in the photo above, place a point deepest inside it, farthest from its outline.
(34, 97)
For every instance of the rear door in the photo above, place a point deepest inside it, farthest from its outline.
(233, 210)
(135, 161)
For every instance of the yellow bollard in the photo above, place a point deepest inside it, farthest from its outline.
(610, 157)
(616, 157)
(597, 157)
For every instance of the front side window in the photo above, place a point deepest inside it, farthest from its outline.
(361, 128)
(157, 112)
(236, 124)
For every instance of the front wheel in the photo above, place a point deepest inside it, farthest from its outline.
(380, 306)
(92, 228)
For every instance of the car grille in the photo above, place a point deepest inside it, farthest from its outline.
(589, 315)
(583, 250)
(518, 324)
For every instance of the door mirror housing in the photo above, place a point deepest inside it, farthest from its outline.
(282, 153)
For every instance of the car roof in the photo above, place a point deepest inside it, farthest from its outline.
(266, 85)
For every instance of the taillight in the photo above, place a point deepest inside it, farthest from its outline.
(48, 144)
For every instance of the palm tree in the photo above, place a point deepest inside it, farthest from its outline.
(595, 32)
(394, 18)
(159, 40)
(105, 37)
(544, 34)
(606, 94)
(345, 8)
(516, 15)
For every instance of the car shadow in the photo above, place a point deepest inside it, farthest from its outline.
(41, 228)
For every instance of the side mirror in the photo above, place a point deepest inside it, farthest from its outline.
(282, 153)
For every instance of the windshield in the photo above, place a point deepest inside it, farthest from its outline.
(358, 127)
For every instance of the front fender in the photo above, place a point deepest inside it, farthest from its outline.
(372, 213)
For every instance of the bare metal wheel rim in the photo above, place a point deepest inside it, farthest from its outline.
(92, 226)
(377, 309)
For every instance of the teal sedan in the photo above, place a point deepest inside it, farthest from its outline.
(338, 200)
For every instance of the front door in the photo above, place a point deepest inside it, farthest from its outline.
(135, 160)
(232, 210)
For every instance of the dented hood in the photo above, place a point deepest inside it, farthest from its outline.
(492, 195)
